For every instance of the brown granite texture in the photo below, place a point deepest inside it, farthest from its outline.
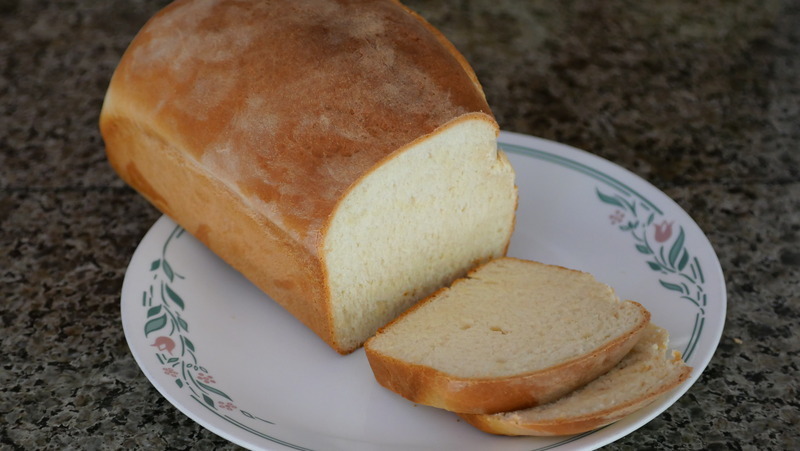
(701, 98)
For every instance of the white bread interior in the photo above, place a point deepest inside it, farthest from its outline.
(648, 371)
(425, 217)
(512, 332)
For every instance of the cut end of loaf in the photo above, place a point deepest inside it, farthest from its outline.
(425, 216)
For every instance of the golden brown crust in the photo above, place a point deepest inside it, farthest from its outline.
(310, 94)
(495, 424)
(449, 45)
(428, 386)
(265, 113)
(211, 212)
(640, 378)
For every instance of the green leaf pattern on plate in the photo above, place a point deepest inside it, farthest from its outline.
(665, 251)
(168, 331)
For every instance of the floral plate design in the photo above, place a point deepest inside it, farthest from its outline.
(235, 362)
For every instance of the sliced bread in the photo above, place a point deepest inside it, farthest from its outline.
(511, 335)
(645, 373)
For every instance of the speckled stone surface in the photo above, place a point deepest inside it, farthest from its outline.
(700, 98)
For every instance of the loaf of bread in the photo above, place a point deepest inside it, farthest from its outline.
(644, 374)
(338, 153)
(511, 335)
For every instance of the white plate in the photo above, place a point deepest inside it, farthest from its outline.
(235, 362)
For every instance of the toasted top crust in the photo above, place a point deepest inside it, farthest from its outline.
(289, 102)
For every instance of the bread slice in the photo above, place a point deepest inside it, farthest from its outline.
(510, 335)
(644, 374)
(341, 155)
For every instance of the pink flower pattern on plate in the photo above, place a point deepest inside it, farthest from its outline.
(206, 378)
(164, 344)
(227, 405)
(616, 217)
(663, 231)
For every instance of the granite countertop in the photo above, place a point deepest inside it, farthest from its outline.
(702, 99)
